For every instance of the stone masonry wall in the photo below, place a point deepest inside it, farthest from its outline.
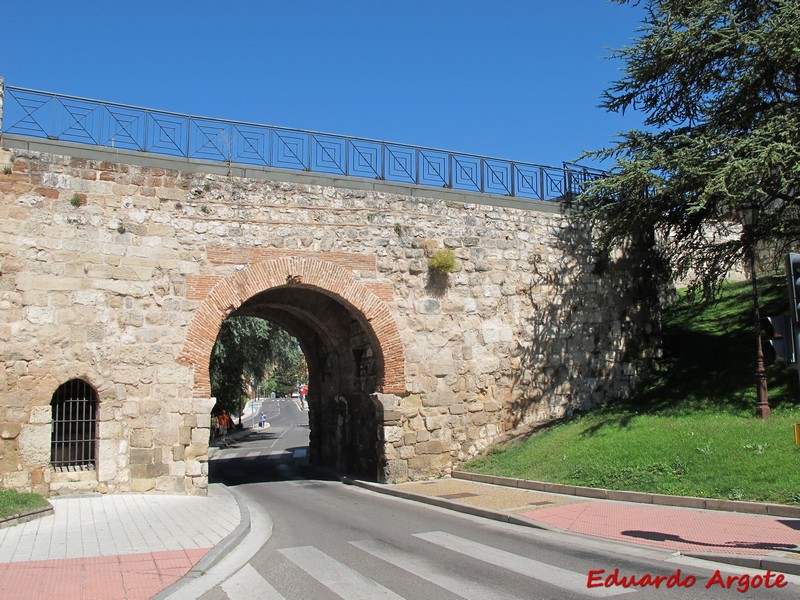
(103, 265)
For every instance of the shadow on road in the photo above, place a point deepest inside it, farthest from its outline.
(250, 462)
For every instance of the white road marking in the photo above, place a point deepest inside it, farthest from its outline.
(337, 577)
(422, 568)
(247, 584)
(563, 578)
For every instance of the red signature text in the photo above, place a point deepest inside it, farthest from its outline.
(741, 583)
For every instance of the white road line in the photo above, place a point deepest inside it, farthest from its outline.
(337, 577)
(253, 453)
(422, 568)
(563, 578)
(247, 584)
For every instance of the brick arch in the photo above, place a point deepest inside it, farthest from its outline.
(305, 272)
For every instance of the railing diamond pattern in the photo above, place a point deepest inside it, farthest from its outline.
(45, 115)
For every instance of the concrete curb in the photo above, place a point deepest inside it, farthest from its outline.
(477, 511)
(759, 563)
(27, 515)
(757, 508)
(218, 552)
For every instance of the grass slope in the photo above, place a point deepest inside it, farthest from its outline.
(690, 430)
(13, 503)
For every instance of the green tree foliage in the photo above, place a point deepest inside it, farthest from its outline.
(719, 84)
(247, 352)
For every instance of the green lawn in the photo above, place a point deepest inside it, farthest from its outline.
(12, 503)
(690, 430)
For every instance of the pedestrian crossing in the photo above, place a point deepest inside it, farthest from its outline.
(275, 455)
(345, 581)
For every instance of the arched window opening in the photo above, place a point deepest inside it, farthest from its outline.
(74, 406)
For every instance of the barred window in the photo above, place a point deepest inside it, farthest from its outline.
(74, 406)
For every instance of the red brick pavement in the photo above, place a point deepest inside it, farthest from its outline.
(122, 577)
(675, 529)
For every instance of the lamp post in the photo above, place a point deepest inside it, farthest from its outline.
(762, 395)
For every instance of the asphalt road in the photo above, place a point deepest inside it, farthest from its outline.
(331, 540)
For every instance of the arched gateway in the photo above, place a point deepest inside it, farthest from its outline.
(118, 264)
(350, 340)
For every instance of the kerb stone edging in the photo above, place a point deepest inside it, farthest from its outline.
(759, 508)
(25, 516)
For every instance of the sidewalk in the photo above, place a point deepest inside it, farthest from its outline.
(759, 541)
(119, 546)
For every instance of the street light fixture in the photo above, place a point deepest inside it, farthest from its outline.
(750, 216)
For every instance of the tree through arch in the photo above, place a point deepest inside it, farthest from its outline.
(348, 336)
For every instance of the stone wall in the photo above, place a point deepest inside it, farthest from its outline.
(105, 262)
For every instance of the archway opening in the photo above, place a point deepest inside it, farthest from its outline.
(344, 372)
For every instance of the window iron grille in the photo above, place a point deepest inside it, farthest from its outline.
(74, 438)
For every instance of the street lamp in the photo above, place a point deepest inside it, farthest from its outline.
(750, 216)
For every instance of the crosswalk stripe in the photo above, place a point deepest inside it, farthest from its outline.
(468, 589)
(563, 578)
(247, 584)
(299, 453)
(339, 578)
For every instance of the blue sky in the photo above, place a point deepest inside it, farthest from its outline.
(515, 79)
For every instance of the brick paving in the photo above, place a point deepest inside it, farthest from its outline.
(680, 529)
(121, 577)
(124, 546)
(667, 527)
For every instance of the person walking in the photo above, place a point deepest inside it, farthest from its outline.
(224, 422)
(262, 420)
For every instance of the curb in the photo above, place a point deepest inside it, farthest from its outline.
(476, 511)
(27, 515)
(762, 563)
(757, 508)
(759, 563)
(216, 553)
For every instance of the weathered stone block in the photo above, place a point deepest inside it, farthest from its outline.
(139, 485)
(109, 430)
(393, 434)
(200, 436)
(34, 445)
(41, 414)
(10, 431)
(196, 450)
(185, 436)
(142, 456)
(168, 483)
(178, 452)
(392, 416)
(141, 438)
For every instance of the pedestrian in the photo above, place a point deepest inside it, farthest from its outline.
(224, 420)
(262, 420)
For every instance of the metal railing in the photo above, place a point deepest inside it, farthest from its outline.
(94, 122)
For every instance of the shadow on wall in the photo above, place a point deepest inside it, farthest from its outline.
(592, 331)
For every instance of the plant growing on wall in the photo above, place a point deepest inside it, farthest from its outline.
(442, 261)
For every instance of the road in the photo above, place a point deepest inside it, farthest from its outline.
(331, 540)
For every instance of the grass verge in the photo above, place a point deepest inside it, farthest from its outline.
(13, 503)
(690, 430)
